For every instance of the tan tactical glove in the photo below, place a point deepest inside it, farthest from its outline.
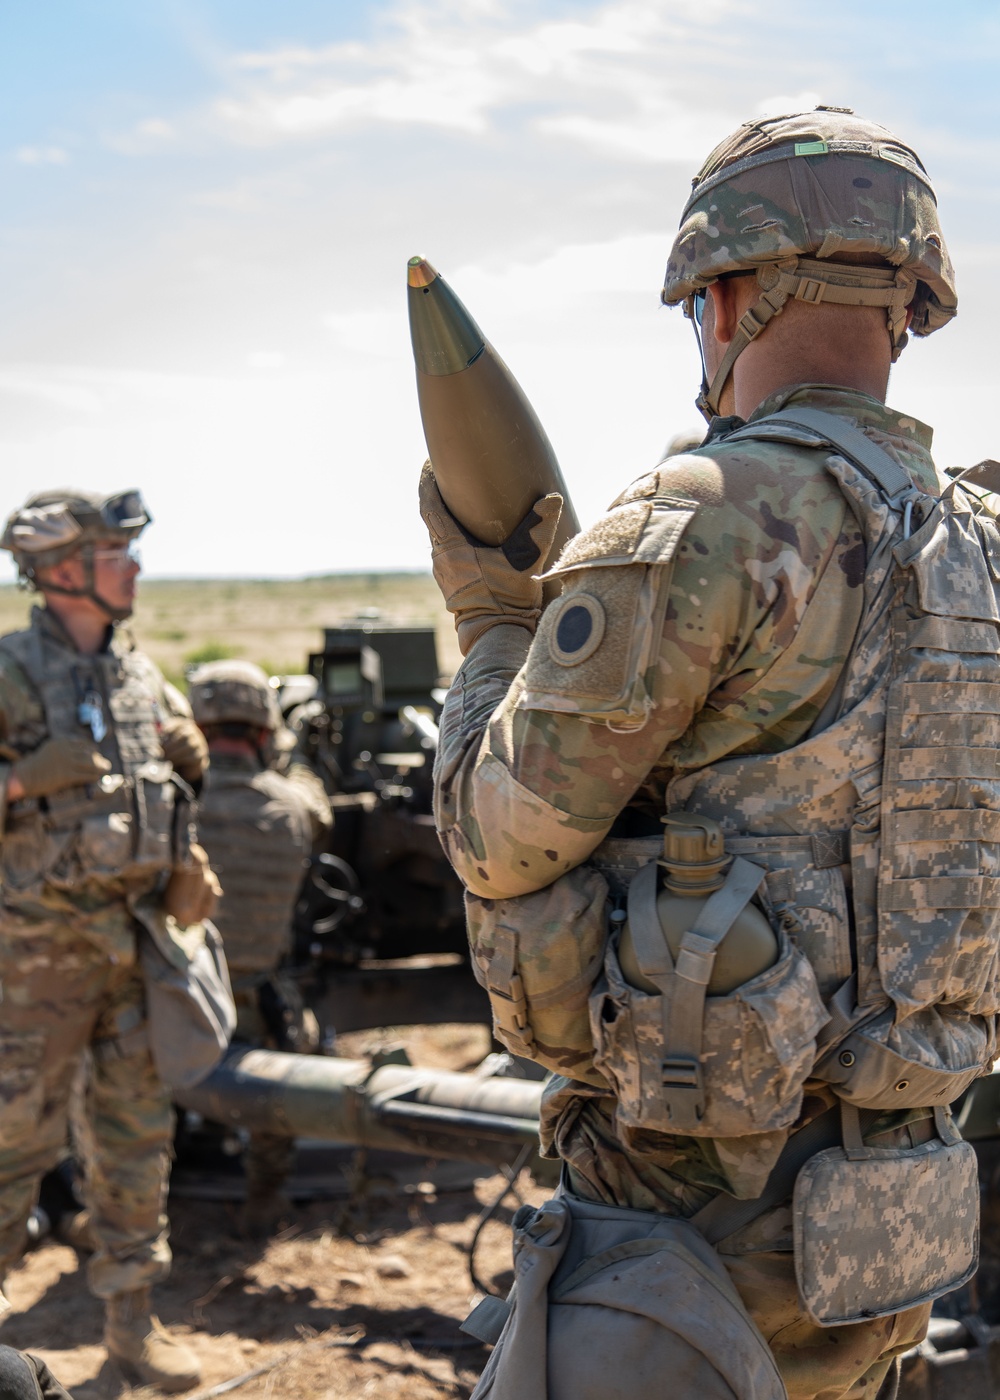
(193, 890)
(59, 764)
(485, 586)
(185, 746)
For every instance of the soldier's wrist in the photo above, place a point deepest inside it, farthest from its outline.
(472, 629)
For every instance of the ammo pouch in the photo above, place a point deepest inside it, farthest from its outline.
(880, 1229)
(538, 956)
(610, 1304)
(708, 1066)
(120, 828)
(189, 1001)
(877, 1061)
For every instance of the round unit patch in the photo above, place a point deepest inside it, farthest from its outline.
(579, 628)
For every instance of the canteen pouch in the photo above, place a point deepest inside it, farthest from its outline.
(757, 1044)
(537, 956)
(189, 1000)
(881, 1229)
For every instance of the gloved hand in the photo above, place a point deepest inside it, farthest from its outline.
(185, 746)
(59, 764)
(193, 890)
(483, 585)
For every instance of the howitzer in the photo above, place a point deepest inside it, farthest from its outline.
(430, 1112)
(380, 920)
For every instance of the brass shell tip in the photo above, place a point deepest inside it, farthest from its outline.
(419, 273)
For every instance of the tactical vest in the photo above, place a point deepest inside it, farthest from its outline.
(258, 837)
(874, 846)
(890, 887)
(123, 831)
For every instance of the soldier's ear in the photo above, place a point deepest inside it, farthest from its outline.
(722, 312)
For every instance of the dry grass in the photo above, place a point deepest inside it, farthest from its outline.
(275, 622)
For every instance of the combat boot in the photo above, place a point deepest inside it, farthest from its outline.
(144, 1348)
(265, 1212)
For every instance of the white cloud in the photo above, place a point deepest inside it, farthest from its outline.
(461, 67)
(779, 106)
(155, 127)
(570, 277)
(48, 387)
(41, 155)
(265, 359)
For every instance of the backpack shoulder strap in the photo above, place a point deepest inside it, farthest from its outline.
(892, 480)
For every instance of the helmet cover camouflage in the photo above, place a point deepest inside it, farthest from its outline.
(784, 196)
(52, 525)
(233, 692)
(813, 184)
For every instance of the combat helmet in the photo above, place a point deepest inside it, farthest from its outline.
(785, 197)
(233, 692)
(53, 525)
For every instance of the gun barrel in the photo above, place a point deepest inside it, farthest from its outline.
(491, 457)
(397, 1107)
(421, 724)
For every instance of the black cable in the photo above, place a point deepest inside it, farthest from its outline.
(488, 1212)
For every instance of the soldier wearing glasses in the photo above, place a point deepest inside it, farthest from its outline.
(96, 762)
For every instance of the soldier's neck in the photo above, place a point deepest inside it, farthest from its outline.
(82, 620)
(756, 376)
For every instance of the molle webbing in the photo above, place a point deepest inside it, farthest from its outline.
(256, 832)
(133, 825)
(926, 859)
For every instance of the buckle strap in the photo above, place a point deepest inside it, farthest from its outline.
(683, 1006)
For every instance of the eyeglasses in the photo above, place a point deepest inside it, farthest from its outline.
(698, 306)
(123, 556)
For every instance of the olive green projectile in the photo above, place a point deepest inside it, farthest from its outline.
(490, 455)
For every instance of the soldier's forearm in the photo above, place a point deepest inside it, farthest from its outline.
(480, 685)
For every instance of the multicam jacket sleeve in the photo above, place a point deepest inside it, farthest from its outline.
(762, 557)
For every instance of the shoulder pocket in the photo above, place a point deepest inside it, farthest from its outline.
(597, 644)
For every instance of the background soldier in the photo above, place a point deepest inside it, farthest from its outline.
(94, 824)
(259, 828)
(730, 639)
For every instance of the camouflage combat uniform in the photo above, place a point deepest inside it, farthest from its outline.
(71, 987)
(259, 828)
(748, 628)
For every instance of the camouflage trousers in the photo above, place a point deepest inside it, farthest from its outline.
(68, 1009)
(819, 1363)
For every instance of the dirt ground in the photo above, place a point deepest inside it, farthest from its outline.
(360, 1296)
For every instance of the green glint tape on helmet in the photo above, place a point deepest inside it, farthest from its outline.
(897, 157)
(811, 148)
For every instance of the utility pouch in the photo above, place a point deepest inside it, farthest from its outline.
(189, 1000)
(709, 1066)
(537, 956)
(611, 1303)
(881, 1229)
(882, 1063)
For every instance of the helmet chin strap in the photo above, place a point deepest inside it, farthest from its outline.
(86, 553)
(813, 281)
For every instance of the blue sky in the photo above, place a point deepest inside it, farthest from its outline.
(209, 206)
